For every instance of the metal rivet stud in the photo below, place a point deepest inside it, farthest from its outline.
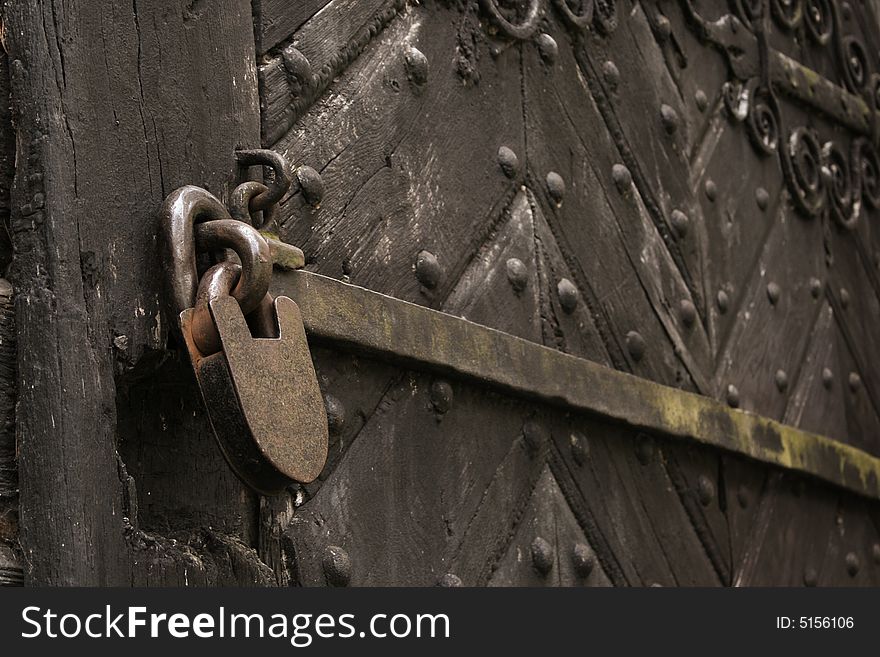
(827, 378)
(441, 396)
(723, 301)
(852, 564)
(811, 577)
(568, 295)
(542, 555)
(635, 345)
(449, 581)
(622, 177)
(669, 118)
(583, 560)
(732, 396)
(815, 287)
(664, 28)
(555, 187)
(611, 75)
(311, 184)
(701, 100)
(508, 161)
(844, 298)
(335, 414)
(705, 490)
(428, 269)
(547, 48)
(299, 71)
(711, 190)
(688, 313)
(781, 380)
(517, 274)
(762, 198)
(337, 566)
(773, 292)
(644, 448)
(679, 222)
(416, 66)
(855, 381)
(534, 435)
(580, 448)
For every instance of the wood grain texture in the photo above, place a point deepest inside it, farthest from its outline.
(633, 268)
(403, 110)
(276, 20)
(7, 161)
(115, 106)
(318, 52)
(10, 566)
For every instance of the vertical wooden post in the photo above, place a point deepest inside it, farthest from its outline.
(115, 105)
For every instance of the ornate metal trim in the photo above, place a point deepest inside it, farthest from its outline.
(821, 177)
(356, 319)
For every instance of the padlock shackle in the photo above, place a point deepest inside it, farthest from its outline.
(251, 248)
(217, 282)
(182, 209)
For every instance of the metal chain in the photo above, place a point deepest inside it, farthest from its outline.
(252, 197)
(195, 221)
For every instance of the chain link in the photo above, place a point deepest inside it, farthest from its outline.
(195, 222)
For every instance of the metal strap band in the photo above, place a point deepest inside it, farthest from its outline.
(353, 318)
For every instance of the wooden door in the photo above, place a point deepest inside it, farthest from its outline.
(682, 191)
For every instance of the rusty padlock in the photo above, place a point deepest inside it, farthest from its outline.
(249, 352)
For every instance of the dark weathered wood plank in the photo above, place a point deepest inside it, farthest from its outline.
(653, 141)
(411, 486)
(628, 278)
(619, 485)
(7, 161)
(788, 543)
(277, 20)
(10, 565)
(501, 285)
(319, 52)
(116, 105)
(388, 196)
(763, 355)
(548, 529)
(747, 207)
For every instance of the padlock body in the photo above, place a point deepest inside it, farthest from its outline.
(263, 398)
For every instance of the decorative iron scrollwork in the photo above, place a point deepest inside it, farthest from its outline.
(736, 100)
(874, 91)
(819, 177)
(577, 13)
(819, 20)
(855, 64)
(748, 11)
(787, 13)
(519, 19)
(866, 171)
(606, 16)
(802, 165)
(844, 201)
(763, 119)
